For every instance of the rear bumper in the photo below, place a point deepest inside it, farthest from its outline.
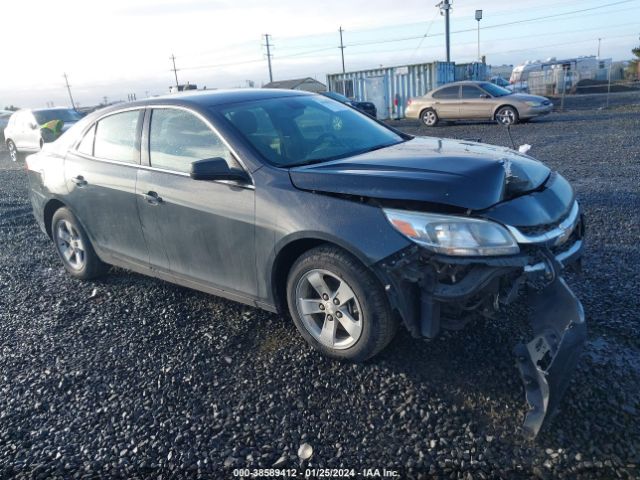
(433, 292)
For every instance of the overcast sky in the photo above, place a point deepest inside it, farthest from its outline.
(115, 47)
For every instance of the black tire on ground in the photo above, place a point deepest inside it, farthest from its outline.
(14, 155)
(507, 115)
(376, 320)
(429, 117)
(84, 264)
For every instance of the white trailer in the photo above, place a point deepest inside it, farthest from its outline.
(574, 69)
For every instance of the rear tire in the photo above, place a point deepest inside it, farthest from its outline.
(73, 246)
(13, 151)
(429, 117)
(355, 327)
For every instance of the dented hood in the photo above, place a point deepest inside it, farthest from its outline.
(457, 173)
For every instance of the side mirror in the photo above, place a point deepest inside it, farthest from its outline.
(484, 95)
(216, 169)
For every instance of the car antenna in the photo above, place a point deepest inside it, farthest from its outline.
(513, 144)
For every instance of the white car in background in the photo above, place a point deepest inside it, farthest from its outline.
(29, 130)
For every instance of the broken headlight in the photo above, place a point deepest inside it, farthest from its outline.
(452, 235)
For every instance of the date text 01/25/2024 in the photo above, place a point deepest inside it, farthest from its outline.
(315, 473)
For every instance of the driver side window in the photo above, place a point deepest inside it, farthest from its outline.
(177, 138)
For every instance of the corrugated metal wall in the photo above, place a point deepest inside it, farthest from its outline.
(472, 71)
(390, 87)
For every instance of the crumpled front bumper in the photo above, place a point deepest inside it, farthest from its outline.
(417, 289)
(547, 362)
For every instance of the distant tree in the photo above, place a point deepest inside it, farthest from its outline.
(632, 71)
(11, 108)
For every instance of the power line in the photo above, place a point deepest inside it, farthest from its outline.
(421, 37)
(425, 33)
(497, 25)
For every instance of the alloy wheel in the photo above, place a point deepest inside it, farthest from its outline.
(429, 118)
(70, 245)
(13, 152)
(329, 309)
(506, 116)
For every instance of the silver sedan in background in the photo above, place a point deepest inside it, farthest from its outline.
(476, 101)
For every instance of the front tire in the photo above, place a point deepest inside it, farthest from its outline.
(73, 246)
(338, 305)
(507, 115)
(429, 117)
(13, 151)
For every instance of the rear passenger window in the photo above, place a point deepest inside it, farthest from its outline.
(116, 137)
(86, 145)
(177, 138)
(447, 93)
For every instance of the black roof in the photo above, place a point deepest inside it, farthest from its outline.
(218, 97)
(203, 98)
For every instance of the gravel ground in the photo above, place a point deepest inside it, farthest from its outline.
(133, 377)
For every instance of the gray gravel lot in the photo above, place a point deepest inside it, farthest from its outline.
(133, 377)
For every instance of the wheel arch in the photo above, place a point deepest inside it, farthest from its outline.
(424, 109)
(497, 109)
(289, 251)
(51, 207)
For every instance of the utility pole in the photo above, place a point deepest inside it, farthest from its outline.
(599, 40)
(268, 45)
(344, 88)
(175, 70)
(66, 80)
(478, 18)
(445, 6)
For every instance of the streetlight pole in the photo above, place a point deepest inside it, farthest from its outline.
(478, 18)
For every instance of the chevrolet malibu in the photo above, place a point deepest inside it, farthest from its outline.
(476, 101)
(298, 204)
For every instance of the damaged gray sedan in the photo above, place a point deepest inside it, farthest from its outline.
(298, 204)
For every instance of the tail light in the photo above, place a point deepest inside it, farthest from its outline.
(408, 102)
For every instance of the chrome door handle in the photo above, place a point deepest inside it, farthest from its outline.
(79, 181)
(152, 198)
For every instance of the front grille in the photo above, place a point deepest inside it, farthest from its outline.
(573, 238)
(536, 230)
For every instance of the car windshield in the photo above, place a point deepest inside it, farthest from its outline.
(300, 130)
(495, 90)
(44, 116)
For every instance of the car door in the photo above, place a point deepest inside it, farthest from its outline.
(447, 102)
(200, 231)
(475, 103)
(100, 173)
